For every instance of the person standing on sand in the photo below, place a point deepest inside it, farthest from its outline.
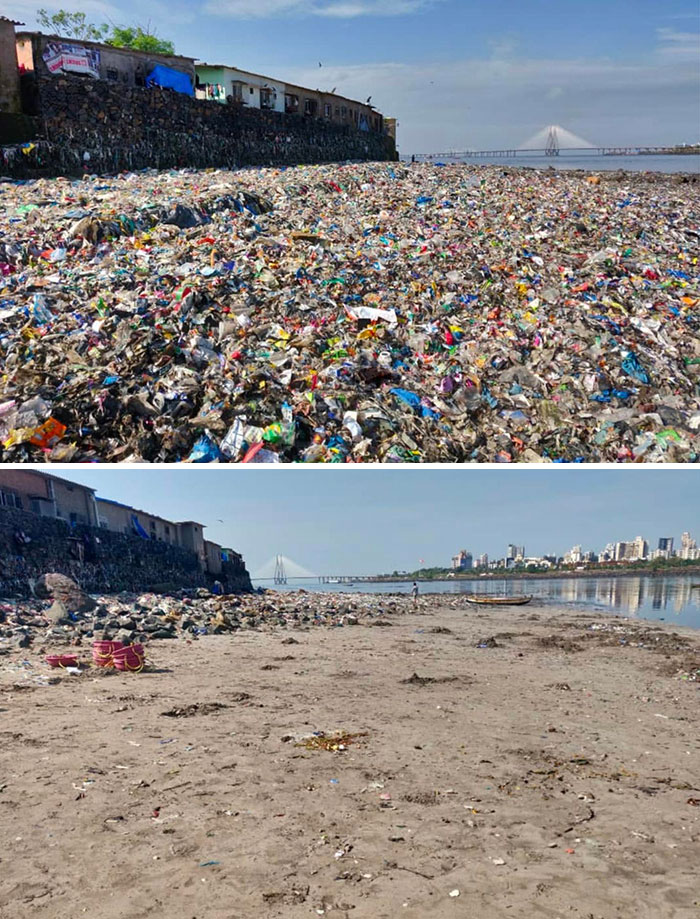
(414, 593)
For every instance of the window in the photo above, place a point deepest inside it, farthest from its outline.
(73, 517)
(10, 499)
(251, 91)
(337, 111)
(327, 110)
(113, 75)
(344, 111)
(268, 97)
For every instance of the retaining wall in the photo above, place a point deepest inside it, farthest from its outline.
(111, 562)
(134, 128)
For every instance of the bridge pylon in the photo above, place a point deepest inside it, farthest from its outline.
(280, 573)
(552, 148)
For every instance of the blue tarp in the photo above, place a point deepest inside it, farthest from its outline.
(171, 79)
(138, 528)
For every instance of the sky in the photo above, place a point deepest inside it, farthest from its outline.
(375, 521)
(458, 74)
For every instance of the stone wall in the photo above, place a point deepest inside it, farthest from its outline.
(133, 128)
(111, 562)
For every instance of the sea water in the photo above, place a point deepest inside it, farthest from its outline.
(669, 597)
(594, 162)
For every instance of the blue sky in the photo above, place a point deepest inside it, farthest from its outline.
(369, 521)
(457, 73)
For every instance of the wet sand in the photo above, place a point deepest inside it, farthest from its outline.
(550, 776)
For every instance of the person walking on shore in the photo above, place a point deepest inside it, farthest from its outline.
(414, 593)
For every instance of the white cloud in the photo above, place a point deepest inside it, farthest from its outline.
(675, 43)
(339, 9)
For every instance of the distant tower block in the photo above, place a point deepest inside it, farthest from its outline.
(280, 573)
(552, 148)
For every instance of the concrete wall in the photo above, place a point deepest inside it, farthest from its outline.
(212, 553)
(192, 538)
(9, 74)
(74, 503)
(111, 561)
(128, 129)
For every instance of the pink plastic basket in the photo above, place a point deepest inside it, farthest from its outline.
(103, 651)
(130, 657)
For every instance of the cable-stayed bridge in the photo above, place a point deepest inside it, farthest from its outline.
(282, 569)
(550, 141)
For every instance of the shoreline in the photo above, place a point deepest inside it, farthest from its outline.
(203, 781)
(530, 576)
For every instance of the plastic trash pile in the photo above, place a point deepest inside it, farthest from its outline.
(357, 313)
(129, 618)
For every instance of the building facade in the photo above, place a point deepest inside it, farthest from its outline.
(221, 83)
(51, 54)
(121, 518)
(46, 495)
(10, 99)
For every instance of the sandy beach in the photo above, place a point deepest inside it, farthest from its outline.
(551, 772)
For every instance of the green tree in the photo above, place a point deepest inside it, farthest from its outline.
(75, 25)
(72, 25)
(140, 40)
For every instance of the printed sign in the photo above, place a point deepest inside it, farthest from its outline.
(61, 57)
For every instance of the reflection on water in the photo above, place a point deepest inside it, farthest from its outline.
(670, 597)
(652, 163)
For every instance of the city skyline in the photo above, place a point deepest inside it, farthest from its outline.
(637, 549)
(456, 74)
(369, 521)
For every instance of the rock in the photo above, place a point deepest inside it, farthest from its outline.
(54, 586)
(57, 614)
(23, 640)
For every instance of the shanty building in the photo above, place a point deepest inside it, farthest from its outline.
(51, 54)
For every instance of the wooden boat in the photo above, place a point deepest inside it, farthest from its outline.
(485, 600)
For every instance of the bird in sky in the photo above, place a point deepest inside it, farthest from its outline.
(320, 64)
(369, 99)
(334, 89)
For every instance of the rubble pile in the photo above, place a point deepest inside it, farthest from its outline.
(69, 616)
(357, 313)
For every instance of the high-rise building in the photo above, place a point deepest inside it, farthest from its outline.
(515, 552)
(666, 544)
(640, 549)
(574, 556)
(482, 561)
(462, 561)
(634, 551)
(689, 547)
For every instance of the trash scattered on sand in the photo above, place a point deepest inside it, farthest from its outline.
(333, 742)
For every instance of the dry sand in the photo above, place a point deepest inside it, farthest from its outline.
(536, 779)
